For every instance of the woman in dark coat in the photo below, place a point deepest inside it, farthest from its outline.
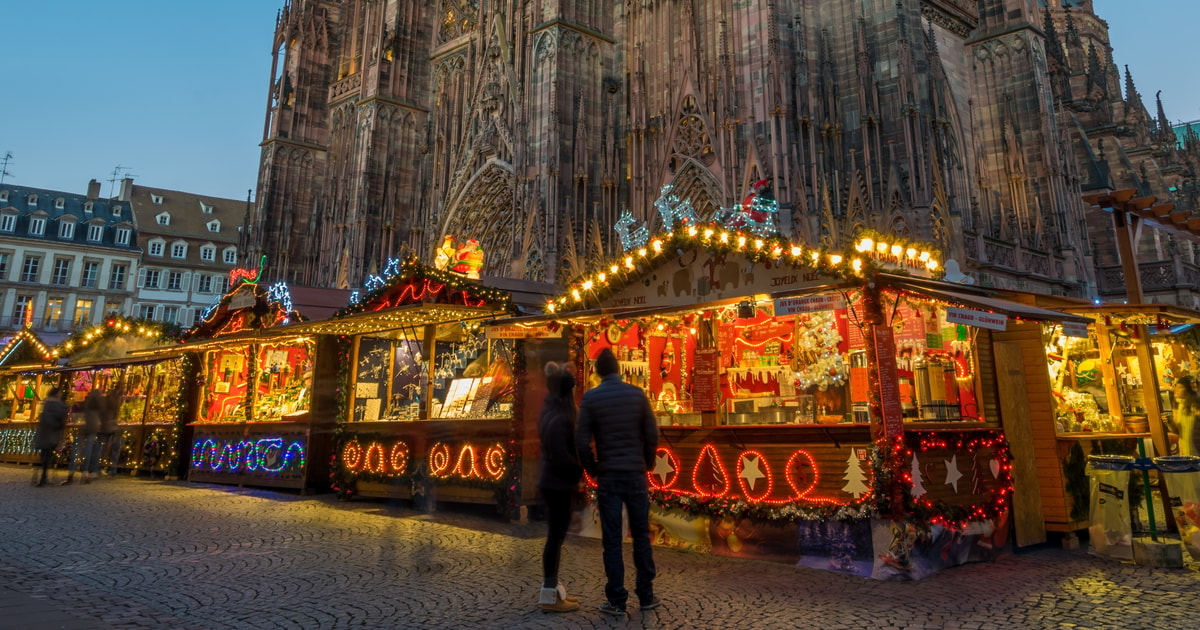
(50, 429)
(559, 479)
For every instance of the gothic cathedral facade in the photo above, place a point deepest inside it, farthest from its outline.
(529, 125)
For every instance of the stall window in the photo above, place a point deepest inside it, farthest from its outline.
(285, 373)
(224, 398)
(472, 378)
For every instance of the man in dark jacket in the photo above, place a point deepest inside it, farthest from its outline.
(50, 430)
(619, 417)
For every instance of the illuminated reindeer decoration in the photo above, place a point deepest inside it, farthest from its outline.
(630, 239)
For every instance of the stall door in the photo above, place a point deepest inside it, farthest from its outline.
(1018, 429)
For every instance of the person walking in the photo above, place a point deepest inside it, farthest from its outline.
(618, 417)
(49, 432)
(110, 430)
(87, 450)
(558, 479)
(1187, 407)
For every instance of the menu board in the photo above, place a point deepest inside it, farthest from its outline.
(706, 381)
(889, 382)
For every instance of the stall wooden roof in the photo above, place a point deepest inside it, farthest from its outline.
(1169, 312)
(980, 299)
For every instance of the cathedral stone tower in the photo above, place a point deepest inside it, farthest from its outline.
(530, 126)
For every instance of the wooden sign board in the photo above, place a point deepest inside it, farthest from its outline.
(889, 382)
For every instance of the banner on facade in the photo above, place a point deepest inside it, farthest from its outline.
(979, 319)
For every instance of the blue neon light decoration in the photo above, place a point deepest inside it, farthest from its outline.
(269, 455)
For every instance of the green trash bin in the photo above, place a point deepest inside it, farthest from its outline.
(1182, 475)
(1109, 526)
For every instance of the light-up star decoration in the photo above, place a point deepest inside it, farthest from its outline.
(662, 468)
(952, 473)
(757, 212)
(631, 238)
(673, 211)
(751, 471)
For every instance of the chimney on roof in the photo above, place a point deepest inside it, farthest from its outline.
(126, 189)
(93, 190)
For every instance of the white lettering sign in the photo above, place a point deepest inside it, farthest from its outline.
(979, 319)
(808, 304)
(1075, 329)
(514, 331)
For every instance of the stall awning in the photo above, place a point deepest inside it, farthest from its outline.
(412, 316)
(1141, 313)
(972, 299)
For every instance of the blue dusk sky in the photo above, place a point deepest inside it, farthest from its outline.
(176, 91)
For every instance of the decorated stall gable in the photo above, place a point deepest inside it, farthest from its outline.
(410, 282)
(247, 306)
(24, 347)
(710, 263)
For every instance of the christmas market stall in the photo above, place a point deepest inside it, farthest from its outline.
(432, 405)
(1126, 374)
(146, 392)
(834, 409)
(255, 416)
(24, 381)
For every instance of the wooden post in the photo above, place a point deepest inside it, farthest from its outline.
(873, 315)
(429, 347)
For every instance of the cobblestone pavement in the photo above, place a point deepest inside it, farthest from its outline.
(124, 553)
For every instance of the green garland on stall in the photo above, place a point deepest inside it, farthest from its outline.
(881, 503)
(593, 288)
(340, 481)
(112, 326)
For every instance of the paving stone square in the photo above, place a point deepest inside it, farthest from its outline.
(133, 553)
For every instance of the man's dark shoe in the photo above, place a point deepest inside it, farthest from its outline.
(653, 603)
(610, 608)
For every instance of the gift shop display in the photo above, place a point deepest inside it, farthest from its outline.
(24, 381)
(845, 400)
(435, 393)
(256, 420)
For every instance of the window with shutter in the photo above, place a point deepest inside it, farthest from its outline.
(141, 278)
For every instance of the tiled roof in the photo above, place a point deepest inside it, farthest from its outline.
(190, 215)
(84, 211)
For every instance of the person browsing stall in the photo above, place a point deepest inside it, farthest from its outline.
(618, 418)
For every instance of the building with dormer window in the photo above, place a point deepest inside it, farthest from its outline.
(66, 260)
(183, 237)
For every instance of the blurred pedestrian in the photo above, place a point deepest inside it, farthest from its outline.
(1187, 406)
(619, 418)
(49, 432)
(110, 429)
(87, 449)
(559, 479)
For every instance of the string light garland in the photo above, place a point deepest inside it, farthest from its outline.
(411, 282)
(857, 263)
(29, 338)
(111, 327)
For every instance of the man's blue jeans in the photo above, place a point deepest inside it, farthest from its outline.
(631, 492)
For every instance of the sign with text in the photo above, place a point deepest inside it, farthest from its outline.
(515, 331)
(706, 381)
(889, 382)
(1075, 329)
(979, 319)
(808, 304)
